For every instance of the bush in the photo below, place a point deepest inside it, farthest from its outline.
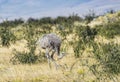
(108, 58)
(6, 36)
(109, 30)
(46, 20)
(86, 38)
(90, 16)
(78, 48)
(23, 57)
(28, 57)
(12, 23)
(88, 34)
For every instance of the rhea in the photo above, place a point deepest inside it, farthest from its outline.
(51, 43)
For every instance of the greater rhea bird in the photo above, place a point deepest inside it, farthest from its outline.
(51, 42)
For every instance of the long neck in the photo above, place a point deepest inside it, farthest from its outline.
(61, 55)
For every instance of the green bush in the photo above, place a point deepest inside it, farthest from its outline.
(28, 57)
(86, 38)
(88, 34)
(90, 16)
(7, 36)
(78, 48)
(46, 20)
(23, 57)
(109, 30)
(108, 58)
(12, 23)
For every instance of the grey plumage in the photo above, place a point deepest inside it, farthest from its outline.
(52, 43)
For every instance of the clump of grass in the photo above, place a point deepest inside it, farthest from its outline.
(38, 79)
(27, 57)
(23, 57)
(17, 80)
(6, 36)
(86, 37)
(108, 56)
(109, 30)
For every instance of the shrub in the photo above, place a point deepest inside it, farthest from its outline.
(74, 17)
(12, 23)
(78, 48)
(88, 34)
(28, 57)
(90, 16)
(86, 38)
(108, 58)
(60, 20)
(6, 36)
(109, 30)
(46, 20)
(23, 57)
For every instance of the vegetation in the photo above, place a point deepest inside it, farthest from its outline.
(6, 36)
(86, 37)
(108, 55)
(90, 16)
(110, 30)
(12, 23)
(94, 58)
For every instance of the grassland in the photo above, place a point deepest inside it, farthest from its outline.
(93, 50)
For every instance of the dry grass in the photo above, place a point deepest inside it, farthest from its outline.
(34, 72)
(41, 72)
(27, 72)
(101, 39)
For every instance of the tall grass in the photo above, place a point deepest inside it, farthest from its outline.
(98, 59)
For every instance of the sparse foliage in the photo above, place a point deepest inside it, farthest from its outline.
(23, 57)
(106, 64)
(86, 38)
(6, 36)
(109, 30)
(90, 16)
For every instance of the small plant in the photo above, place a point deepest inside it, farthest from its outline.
(78, 48)
(12, 23)
(90, 16)
(109, 30)
(88, 34)
(28, 57)
(86, 38)
(108, 57)
(23, 57)
(6, 36)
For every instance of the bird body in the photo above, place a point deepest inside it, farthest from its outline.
(51, 42)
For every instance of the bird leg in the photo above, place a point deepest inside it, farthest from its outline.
(56, 65)
(48, 57)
